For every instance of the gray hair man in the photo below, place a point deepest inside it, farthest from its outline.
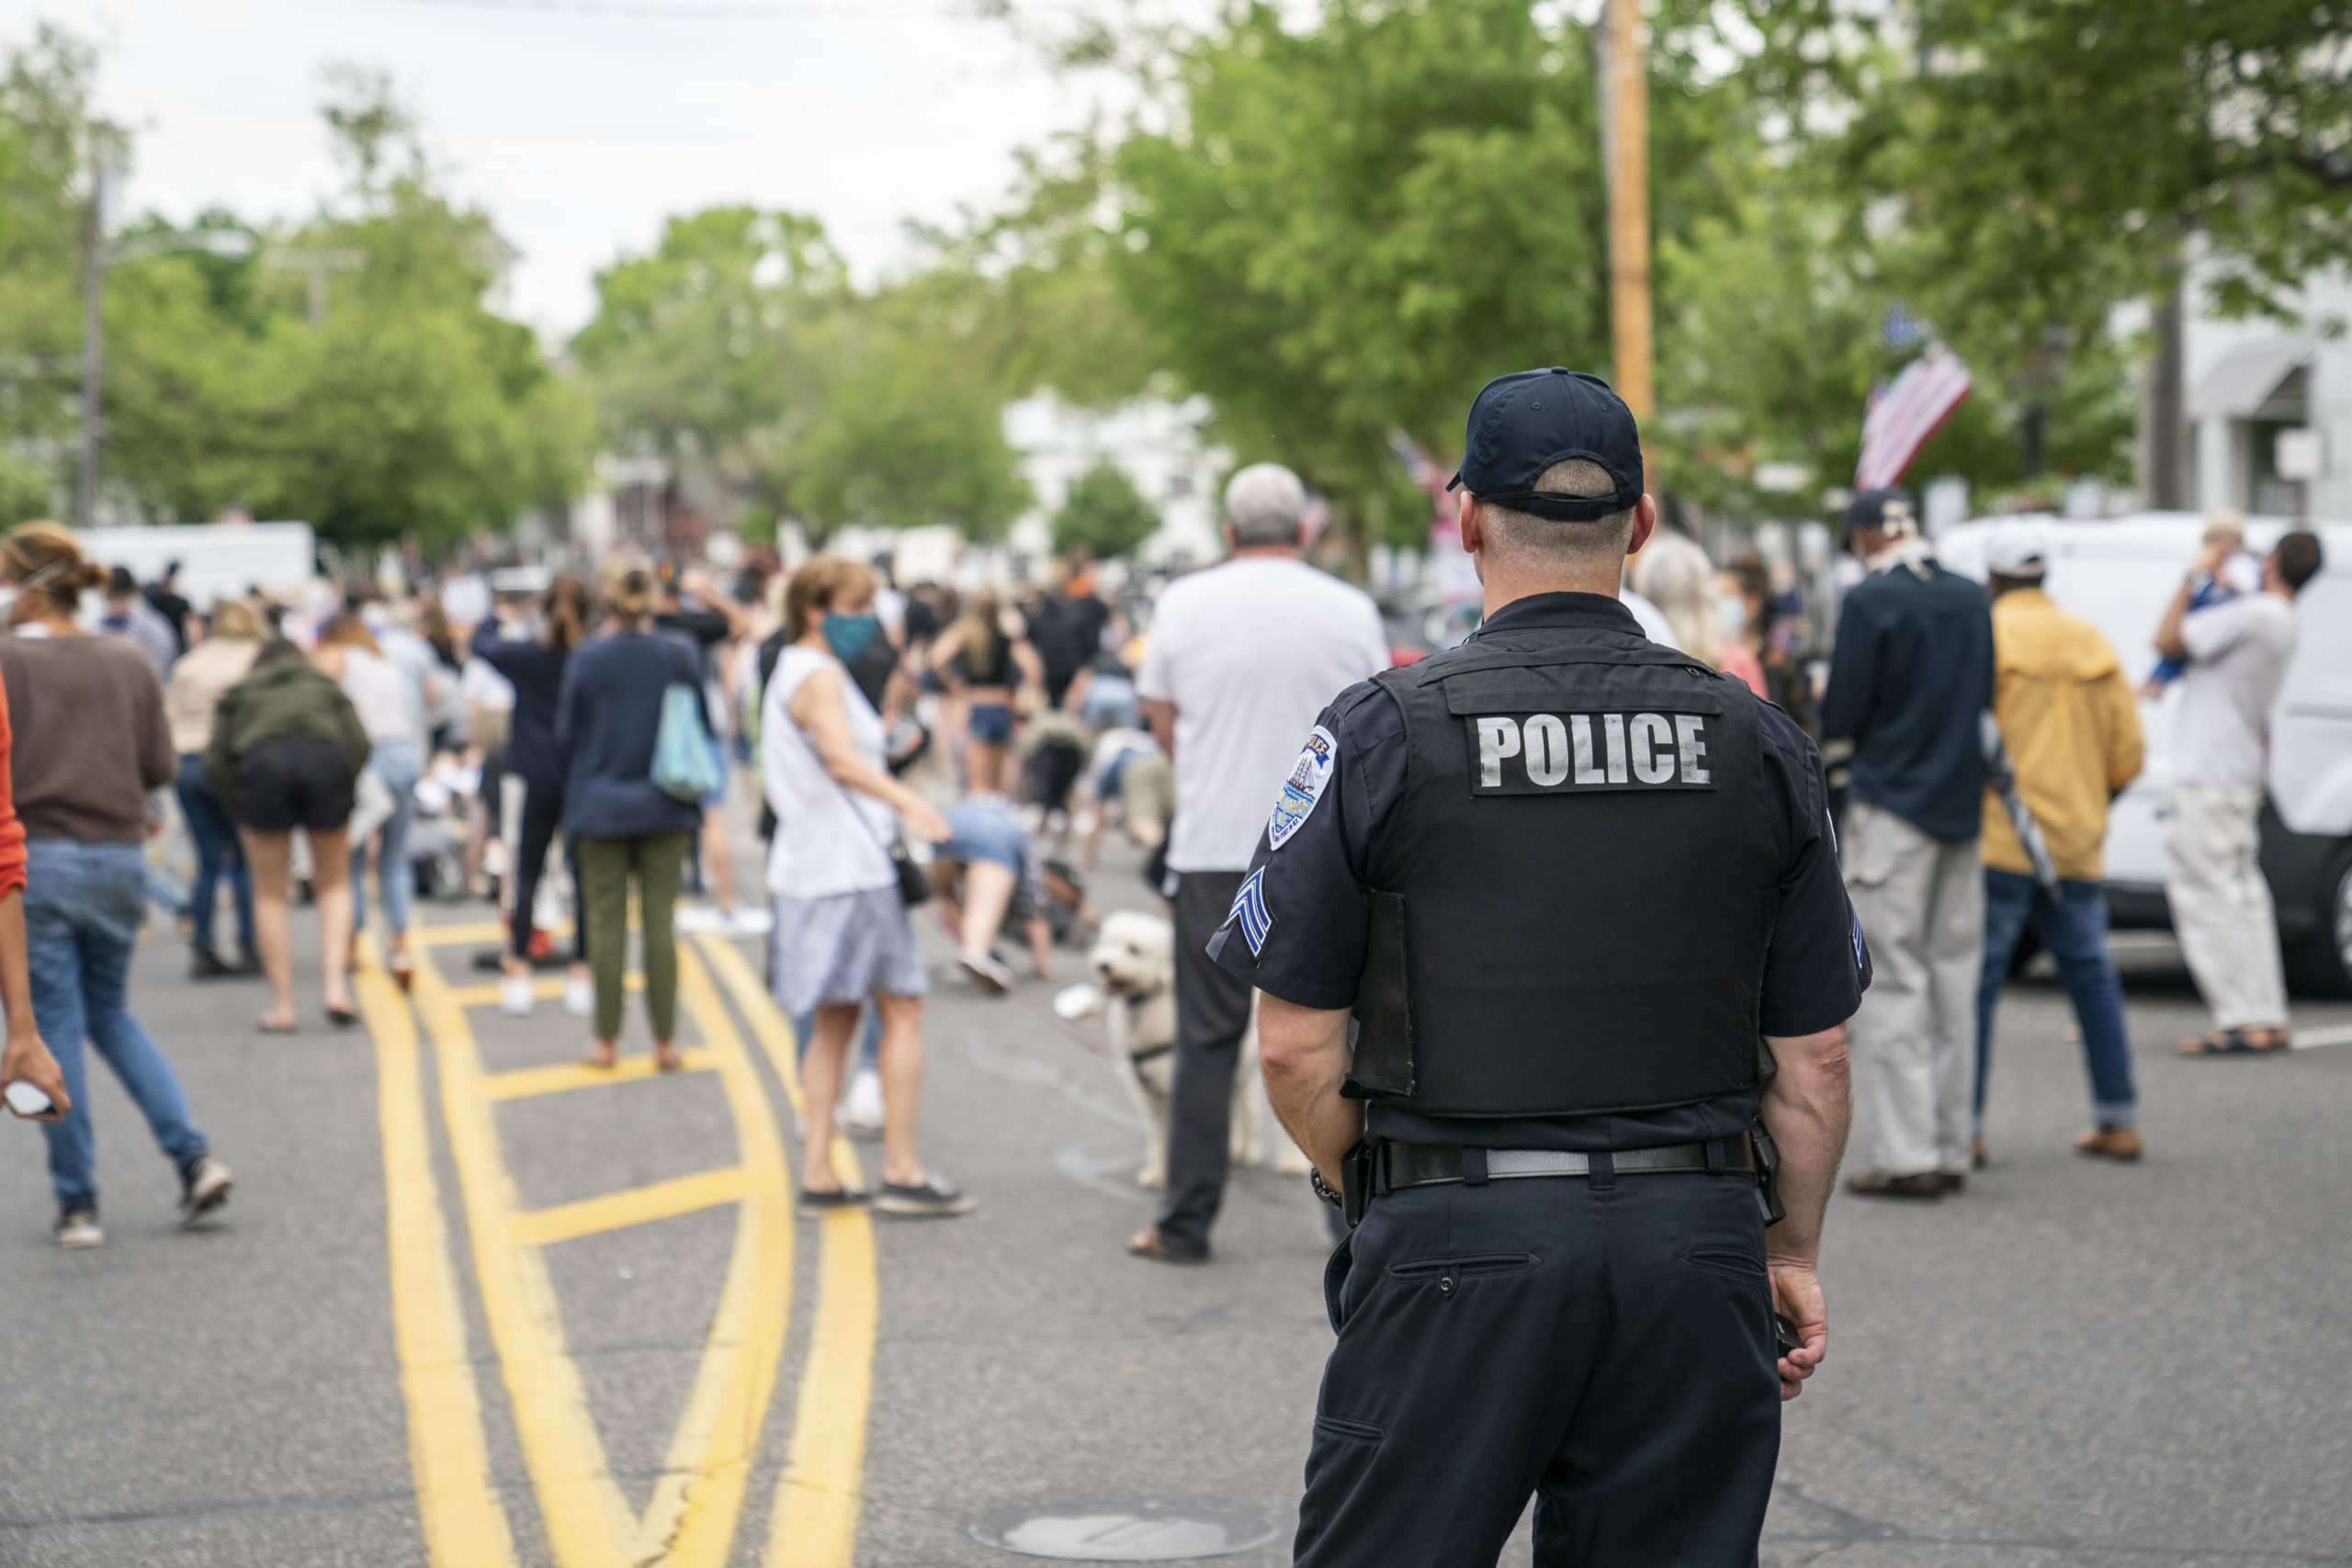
(1242, 658)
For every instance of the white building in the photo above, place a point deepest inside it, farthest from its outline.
(2250, 382)
(1158, 445)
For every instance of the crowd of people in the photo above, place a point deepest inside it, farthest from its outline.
(571, 753)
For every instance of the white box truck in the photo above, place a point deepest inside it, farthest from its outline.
(217, 559)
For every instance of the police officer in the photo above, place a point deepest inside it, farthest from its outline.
(1554, 952)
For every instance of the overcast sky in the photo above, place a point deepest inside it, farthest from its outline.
(580, 124)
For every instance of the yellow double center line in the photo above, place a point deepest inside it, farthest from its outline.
(691, 1518)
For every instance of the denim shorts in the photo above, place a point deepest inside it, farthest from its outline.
(990, 724)
(984, 832)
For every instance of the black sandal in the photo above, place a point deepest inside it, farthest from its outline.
(2229, 1043)
(830, 1201)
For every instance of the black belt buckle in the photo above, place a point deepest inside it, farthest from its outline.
(1355, 1180)
(1768, 1172)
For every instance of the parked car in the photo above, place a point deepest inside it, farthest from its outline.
(2119, 574)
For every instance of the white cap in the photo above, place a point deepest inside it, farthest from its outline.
(2018, 549)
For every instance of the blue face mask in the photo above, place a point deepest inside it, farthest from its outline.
(848, 636)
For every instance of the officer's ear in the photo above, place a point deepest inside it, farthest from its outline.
(1471, 526)
(1644, 525)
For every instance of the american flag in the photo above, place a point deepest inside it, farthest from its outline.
(1902, 417)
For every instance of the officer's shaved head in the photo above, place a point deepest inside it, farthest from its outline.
(1542, 541)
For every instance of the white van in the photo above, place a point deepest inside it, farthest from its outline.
(2119, 574)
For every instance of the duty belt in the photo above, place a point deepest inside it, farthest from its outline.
(1431, 1164)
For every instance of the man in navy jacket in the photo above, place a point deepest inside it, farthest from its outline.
(1909, 682)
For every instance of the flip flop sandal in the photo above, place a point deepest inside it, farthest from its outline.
(601, 1064)
(672, 1063)
(402, 968)
(2227, 1042)
(263, 1026)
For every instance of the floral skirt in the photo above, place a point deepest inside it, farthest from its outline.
(844, 948)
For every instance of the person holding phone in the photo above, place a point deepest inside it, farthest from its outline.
(91, 744)
(29, 1077)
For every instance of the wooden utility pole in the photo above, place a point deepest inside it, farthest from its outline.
(1625, 150)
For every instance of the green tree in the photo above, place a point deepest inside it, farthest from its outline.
(911, 430)
(1103, 514)
(2069, 145)
(410, 411)
(1774, 329)
(2021, 167)
(44, 140)
(1358, 222)
(713, 349)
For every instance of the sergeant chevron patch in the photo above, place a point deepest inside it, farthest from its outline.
(1250, 911)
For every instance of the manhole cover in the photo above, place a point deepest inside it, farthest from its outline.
(1127, 1529)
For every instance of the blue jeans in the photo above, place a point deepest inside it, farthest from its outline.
(400, 763)
(218, 854)
(2073, 928)
(84, 904)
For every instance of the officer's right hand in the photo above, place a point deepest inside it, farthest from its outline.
(1796, 1295)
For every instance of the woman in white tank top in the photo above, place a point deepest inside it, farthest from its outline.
(841, 932)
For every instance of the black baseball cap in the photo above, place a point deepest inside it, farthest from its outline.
(1873, 509)
(1522, 424)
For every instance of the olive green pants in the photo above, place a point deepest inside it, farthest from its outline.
(657, 862)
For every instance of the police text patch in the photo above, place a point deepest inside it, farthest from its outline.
(1568, 753)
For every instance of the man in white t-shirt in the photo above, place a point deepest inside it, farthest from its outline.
(2237, 653)
(1242, 658)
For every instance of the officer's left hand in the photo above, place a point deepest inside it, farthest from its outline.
(1796, 1295)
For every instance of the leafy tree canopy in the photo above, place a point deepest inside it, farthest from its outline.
(1105, 514)
(1352, 227)
(409, 410)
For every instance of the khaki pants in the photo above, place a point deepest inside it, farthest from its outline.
(2220, 905)
(1921, 904)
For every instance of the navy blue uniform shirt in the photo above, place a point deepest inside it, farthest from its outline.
(1315, 892)
(1910, 675)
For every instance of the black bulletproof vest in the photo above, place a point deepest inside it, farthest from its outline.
(1573, 897)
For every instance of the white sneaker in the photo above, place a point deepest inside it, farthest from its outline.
(861, 1107)
(579, 996)
(514, 995)
(77, 1230)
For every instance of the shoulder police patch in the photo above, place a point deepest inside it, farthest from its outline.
(1304, 787)
(1249, 913)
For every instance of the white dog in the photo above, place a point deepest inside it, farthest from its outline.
(1133, 961)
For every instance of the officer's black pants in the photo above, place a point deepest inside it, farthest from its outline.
(1212, 1014)
(1606, 1345)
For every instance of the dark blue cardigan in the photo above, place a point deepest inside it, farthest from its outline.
(607, 719)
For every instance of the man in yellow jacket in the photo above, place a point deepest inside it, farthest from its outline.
(2070, 723)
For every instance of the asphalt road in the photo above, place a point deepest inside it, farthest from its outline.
(466, 1318)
